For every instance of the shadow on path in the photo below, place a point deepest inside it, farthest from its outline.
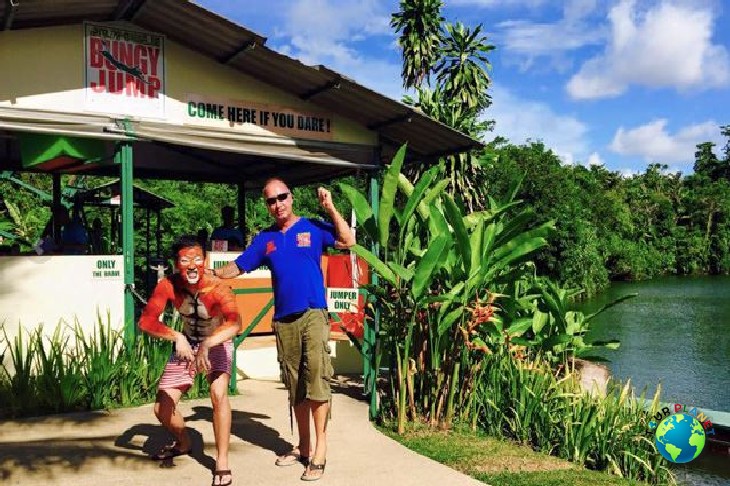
(17, 459)
(248, 427)
(156, 438)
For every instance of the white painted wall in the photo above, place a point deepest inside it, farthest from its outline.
(46, 290)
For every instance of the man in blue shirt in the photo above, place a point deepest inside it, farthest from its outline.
(292, 249)
(228, 231)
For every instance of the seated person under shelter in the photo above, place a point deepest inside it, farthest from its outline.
(228, 230)
(74, 237)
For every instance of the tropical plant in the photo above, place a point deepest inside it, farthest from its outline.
(526, 401)
(454, 58)
(69, 370)
(547, 326)
(463, 66)
(438, 268)
(419, 24)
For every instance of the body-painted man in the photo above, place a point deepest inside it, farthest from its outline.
(210, 321)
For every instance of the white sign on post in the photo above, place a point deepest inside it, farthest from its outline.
(341, 299)
(124, 71)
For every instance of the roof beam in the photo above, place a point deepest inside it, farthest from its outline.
(250, 44)
(127, 9)
(454, 150)
(333, 84)
(404, 118)
(11, 6)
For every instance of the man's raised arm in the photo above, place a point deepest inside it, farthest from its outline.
(344, 238)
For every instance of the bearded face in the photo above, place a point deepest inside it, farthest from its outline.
(190, 264)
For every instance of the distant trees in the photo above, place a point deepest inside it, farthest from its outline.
(611, 227)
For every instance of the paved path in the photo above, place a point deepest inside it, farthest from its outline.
(111, 448)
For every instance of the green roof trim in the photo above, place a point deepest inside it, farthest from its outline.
(38, 148)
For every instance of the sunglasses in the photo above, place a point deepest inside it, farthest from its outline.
(279, 197)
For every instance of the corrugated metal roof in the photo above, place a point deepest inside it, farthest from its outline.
(208, 33)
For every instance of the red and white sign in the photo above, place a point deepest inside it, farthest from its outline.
(124, 71)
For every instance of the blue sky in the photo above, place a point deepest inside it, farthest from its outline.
(621, 83)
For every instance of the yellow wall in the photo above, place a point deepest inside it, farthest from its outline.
(44, 69)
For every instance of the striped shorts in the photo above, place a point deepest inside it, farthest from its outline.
(180, 373)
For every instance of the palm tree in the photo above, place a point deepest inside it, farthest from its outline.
(462, 69)
(457, 56)
(419, 24)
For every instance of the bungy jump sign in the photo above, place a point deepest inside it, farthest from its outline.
(124, 71)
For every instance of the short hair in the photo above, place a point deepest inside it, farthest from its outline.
(274, 179)
(185, 241)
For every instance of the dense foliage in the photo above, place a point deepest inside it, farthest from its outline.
(611, 226)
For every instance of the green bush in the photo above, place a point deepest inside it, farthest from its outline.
(528, 402)
(71, 371)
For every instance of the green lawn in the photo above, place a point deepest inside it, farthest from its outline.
(500, 462)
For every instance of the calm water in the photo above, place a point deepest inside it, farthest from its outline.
(676, 333)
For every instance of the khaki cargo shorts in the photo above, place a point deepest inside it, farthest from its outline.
(304, 355)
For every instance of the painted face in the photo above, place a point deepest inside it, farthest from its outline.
(278, 200)
(190, 263)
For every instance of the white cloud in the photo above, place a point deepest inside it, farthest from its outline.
(594, 159)
(654, 143)
(524, 41)
(628, 173)
(519, 120)
(321, 32)
(668, 45)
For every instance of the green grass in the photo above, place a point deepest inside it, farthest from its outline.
(500, 462)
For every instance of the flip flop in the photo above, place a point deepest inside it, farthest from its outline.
(290, 458)
(319, 468)
(219, 474)
(168, 452)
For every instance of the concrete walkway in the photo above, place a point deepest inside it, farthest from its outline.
(112, 448)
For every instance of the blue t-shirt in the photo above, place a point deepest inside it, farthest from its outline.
(294, 259)
(73, 237)
(228, 234)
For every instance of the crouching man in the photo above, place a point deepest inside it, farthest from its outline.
(210, 321)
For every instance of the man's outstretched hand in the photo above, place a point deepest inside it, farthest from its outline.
(325, 199)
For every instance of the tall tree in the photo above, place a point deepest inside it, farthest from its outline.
(458, 64)
(706, 162)
(462, 69)
(419, 23)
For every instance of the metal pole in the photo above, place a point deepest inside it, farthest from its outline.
(124, 158)
(370, 333)
(242, 209)
(56, 224)
(158, 233)
(147, 255)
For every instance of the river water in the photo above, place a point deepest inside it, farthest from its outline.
(676, 333)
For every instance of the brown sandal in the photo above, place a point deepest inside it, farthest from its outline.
(292, 457)
(314, 467)
(170, 451)
(219, 474)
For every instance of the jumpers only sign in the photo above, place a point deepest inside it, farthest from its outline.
(124, 71)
